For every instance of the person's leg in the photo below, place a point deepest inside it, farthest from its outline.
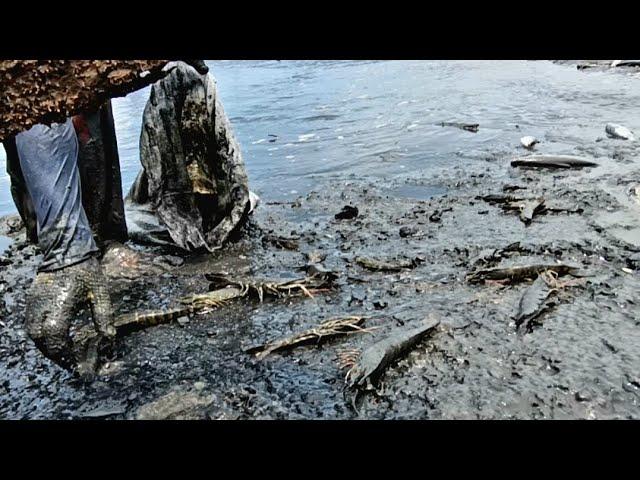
(69, 276)
(99, 168)
(19, 192)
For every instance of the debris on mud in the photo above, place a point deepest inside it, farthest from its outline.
(408, 231)
(527, 209)
(327, 329)
(347, 213)
(176, 405)
(282, 242)
(469, 127)
(388, 266)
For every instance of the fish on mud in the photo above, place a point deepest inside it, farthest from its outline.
(533, 302)
(521, 273)
(469, 127)
(552, 161)
(498, 198)
(384, 266)
(529, 142)
(618, 131)
(327, 329)
(372, 363)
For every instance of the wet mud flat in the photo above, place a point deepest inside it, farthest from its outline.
(580, 360)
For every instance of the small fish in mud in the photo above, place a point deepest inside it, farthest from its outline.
(618, 131)
(533, 302)
(529, 142)
(518, 274)
(320, 281)
(373, 362)
(469, 127)
(329, 328)
(552, 161)
(383, 266)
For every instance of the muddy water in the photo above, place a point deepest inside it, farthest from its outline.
(582, 361)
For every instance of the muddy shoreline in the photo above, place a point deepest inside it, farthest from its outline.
(581, 362)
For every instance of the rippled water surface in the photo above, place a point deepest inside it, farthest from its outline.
(300, 122)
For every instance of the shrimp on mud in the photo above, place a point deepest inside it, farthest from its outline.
(366, 369)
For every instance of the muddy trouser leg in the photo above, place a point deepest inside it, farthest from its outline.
(19, 191)
(69, 277)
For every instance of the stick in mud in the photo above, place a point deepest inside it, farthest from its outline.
(327, 329)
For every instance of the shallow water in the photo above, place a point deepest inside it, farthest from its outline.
(350, 119)
(5, 242)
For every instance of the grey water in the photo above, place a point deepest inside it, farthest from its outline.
(301, 123)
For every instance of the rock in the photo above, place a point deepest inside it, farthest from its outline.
(408, 231)
(182, 321)
(176, 405)
(347, 213)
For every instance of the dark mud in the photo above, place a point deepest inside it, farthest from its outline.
(581, 362)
